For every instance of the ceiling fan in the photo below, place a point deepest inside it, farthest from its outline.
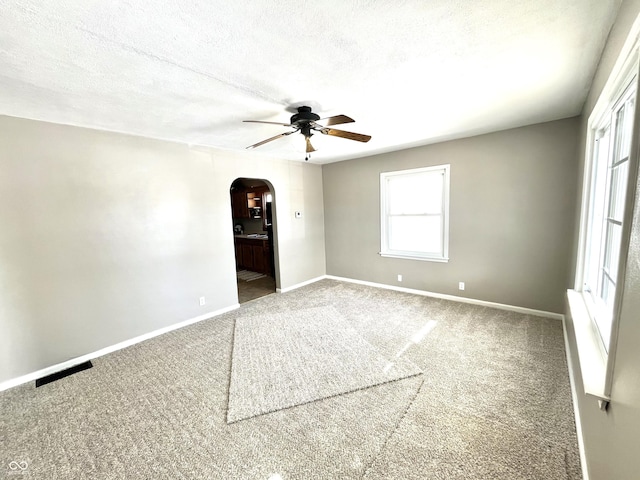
(306, 122)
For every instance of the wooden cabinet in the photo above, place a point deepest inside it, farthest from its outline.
(253, 254)
(239, 205)
(254, 204)
(247, 256)
(249, 203)
(239, 256)
(259, 261)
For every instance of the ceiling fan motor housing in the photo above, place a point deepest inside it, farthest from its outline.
(304, 115)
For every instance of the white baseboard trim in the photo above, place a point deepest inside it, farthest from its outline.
(574, 397)
(302, 284)
(473, 301)
(103, 351)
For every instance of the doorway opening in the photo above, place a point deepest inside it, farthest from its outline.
(253, 213)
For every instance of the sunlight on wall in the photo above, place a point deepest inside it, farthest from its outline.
(168, 219)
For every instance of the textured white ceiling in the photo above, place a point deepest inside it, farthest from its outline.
(409, 72)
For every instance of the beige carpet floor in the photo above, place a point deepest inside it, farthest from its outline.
(289, 358)
(493, 401)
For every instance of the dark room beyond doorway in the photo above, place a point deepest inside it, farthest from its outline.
(252, 212)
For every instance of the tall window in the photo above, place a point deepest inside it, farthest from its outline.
(415, 213)
(609, 177)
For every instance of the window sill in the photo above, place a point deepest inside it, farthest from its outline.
(413, 257)
(593, 364)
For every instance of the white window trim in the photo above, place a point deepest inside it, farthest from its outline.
(384, 249)
(628, 87)
(596, 364)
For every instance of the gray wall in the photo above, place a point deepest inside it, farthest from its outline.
(612, 438)
(105, 237)
(512, 209)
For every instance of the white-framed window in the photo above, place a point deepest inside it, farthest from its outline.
(606, 215)
(609, 175)
(415, 213)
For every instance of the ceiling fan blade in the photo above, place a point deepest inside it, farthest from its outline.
(335, 120)
(349, 135)
(270, 123)
(309, 146)
(271, 139)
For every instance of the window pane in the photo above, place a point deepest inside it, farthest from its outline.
(620, 135)
(628, 128)
(618, 190)
(597, 212)
(416, 234)
(624, 128)
(415, 193)
(603, 319)
(608, 294)
(612, 249)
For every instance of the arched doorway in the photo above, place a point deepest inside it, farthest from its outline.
(253, 213)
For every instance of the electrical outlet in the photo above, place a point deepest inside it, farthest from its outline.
(460, 285)
(399, 278)
(202, 301)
